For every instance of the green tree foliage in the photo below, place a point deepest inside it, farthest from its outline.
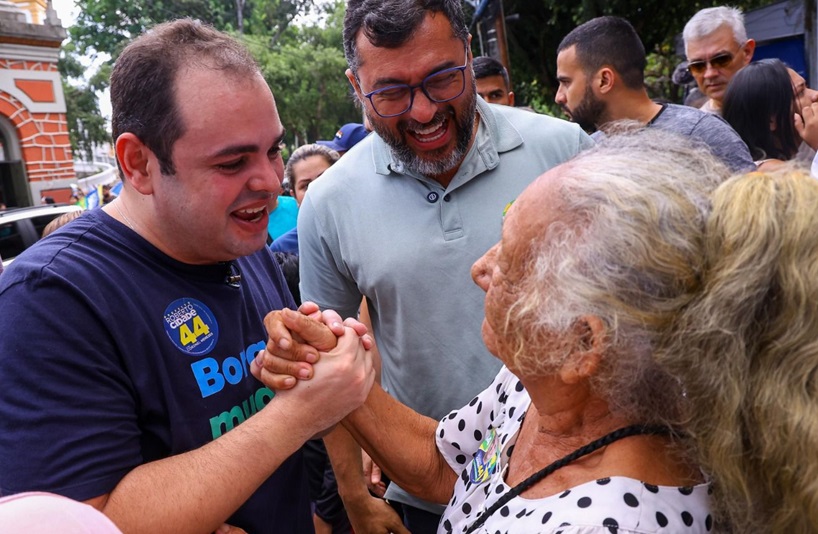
(306, 72)
(304, 65)
(85, 124)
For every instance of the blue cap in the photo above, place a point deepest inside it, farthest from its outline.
(347, 137)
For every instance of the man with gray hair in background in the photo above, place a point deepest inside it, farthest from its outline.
(717, 47)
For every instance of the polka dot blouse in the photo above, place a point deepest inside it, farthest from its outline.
(477, 441)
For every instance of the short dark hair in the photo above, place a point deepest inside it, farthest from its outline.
(760, 91)
(485, 66)
(390, 23)
(143, 80)
(610, 41)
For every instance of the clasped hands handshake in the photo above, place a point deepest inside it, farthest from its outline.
(290, 366)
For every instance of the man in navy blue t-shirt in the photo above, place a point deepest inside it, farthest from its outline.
(127, 338)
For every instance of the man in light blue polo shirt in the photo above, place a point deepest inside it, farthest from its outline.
(406, 212)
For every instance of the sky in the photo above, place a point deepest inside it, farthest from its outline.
(65, 10)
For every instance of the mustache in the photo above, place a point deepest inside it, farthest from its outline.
(412, 124)
(253, 196)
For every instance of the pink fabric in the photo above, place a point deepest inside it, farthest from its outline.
(46, 513)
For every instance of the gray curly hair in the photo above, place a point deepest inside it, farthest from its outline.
(627, 248)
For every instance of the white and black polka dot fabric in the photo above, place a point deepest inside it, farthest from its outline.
(615, 505)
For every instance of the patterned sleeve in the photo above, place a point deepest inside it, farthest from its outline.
(460, 433)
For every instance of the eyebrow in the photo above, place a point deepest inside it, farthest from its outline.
(385, 82)
(233, 150)
(708, 58)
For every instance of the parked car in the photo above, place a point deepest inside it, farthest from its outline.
(22, 227)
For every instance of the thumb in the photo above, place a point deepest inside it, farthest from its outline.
(375, 474)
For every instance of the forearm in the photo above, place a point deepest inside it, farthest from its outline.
(402, 443)
(197, 491)
(345, 456)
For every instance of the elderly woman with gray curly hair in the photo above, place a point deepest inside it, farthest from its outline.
(577, 432)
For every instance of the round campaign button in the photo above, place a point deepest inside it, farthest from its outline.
(432, 197)
(191, 326)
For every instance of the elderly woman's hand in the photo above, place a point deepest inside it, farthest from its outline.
(295, 340)
(339, 385)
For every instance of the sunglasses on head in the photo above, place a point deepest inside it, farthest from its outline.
(717, 62)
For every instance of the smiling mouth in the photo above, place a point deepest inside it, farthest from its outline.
(430, 133)
(251, 214)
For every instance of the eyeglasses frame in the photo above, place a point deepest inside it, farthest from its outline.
(703, 63)
(421, 86)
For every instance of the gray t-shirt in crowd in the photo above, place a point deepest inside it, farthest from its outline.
(706, 128)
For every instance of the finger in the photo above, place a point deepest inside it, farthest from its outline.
(375, 474)
(229, 529)
(359, 327)
(273, 364)
(397, 527)
(276, 382)
(277, 331)
(367, 463)
(311, 331)
(333, 319)
(309, 308)
(368, 342)
(798, 120)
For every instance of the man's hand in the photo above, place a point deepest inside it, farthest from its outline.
(337, 386)
(229, 529)
(372, 474)
(806, 125)
(371, 515)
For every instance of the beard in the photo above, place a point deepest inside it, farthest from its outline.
(588, 113)
(435, 162)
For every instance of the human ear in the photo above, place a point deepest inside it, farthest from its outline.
(135, 161)
(749, 48)
(607, 79)
(588, 348)
(353, 80)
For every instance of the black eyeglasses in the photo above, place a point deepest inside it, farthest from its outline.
(440, 86)
(718, 61)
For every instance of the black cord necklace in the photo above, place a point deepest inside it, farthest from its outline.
(616, 435)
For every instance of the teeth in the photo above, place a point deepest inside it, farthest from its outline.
(253, 211)
(428, 129)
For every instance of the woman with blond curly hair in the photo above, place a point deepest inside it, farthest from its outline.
(746, 350)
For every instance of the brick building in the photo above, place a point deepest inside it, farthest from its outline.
(35, 151)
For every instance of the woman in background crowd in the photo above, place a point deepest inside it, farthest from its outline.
(305, 165)
(760, 105)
